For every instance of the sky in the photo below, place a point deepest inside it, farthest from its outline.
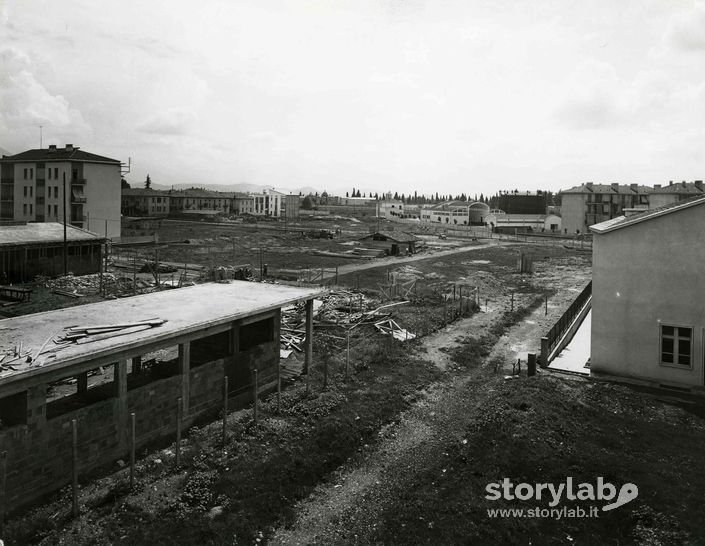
(449, 96)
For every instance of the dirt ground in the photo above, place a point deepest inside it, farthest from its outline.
(402, 451)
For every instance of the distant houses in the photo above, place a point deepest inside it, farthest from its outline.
(150, 202)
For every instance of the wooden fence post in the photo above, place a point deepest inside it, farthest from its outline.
(256, 386)
(347, 354)
(132, 450)
(179, 407)
(74, 467)
(225, 410)
(3, 485)
(279, 387)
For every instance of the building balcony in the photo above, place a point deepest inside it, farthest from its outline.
(81, 181)
(78, 200)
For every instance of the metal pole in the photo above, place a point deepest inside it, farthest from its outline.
(256, 385)
(279, 387)
(3, 484)
(66, 245)
(74, 468)
(347, 355)
(132, 450)
(179, 406)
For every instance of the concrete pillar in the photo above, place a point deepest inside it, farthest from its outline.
(36, 407)
(308, 343)
(82, 383)
(120, 393)
(544, 352)
(185, 371)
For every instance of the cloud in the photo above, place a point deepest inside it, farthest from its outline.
(686, 29)
(591, 97)
(169, 122)
(27, 103)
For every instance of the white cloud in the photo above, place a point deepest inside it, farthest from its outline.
(686, 29)
(26, 103)
(169, 122)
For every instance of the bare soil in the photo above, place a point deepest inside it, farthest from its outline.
(402, 451)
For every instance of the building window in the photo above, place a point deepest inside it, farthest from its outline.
(676, 346)
(31, 173)
(25, 174)
(56, 210)
(24, 209)
(56, 172)
(49, 173)
(25, 190)
(31, 209)
(31, 191)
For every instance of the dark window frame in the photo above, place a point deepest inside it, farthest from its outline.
(672, 338)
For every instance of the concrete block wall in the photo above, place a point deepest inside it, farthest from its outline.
(39, 453)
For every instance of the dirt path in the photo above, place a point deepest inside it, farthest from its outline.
(394, 261)
(346, 510)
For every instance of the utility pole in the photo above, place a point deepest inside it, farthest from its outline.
(66, 250)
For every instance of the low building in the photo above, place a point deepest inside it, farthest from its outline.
(38, 249)
(394, 242)
(461, 213)
(195, 199)
(390, 210)
(526, 203)
(501, 222)
(145, 202)
(647, 319)
(212, 332)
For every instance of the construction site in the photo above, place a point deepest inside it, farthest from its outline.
(320, 382)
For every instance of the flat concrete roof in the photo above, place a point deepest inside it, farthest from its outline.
(44, 232)
(187, 310)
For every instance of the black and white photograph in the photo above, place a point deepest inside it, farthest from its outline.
(352, 272)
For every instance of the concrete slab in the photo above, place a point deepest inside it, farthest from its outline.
(187, 310)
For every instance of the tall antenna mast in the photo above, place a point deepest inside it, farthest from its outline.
(40, 136)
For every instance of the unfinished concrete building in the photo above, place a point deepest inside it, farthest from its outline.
(148, 354)
(35, 249)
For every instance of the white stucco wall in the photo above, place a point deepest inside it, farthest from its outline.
(573, 209)
(102, 191)
(645, 275)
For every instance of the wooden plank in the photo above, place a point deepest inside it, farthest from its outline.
(123, 332)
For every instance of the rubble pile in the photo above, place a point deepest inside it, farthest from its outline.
(73, 283)
(342, 309)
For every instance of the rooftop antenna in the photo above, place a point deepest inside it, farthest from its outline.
(40, 136)
(125, 167)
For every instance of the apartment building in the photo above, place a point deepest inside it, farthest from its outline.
(588, 204)
(145, 202)
(674, 192)
(32, 188)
